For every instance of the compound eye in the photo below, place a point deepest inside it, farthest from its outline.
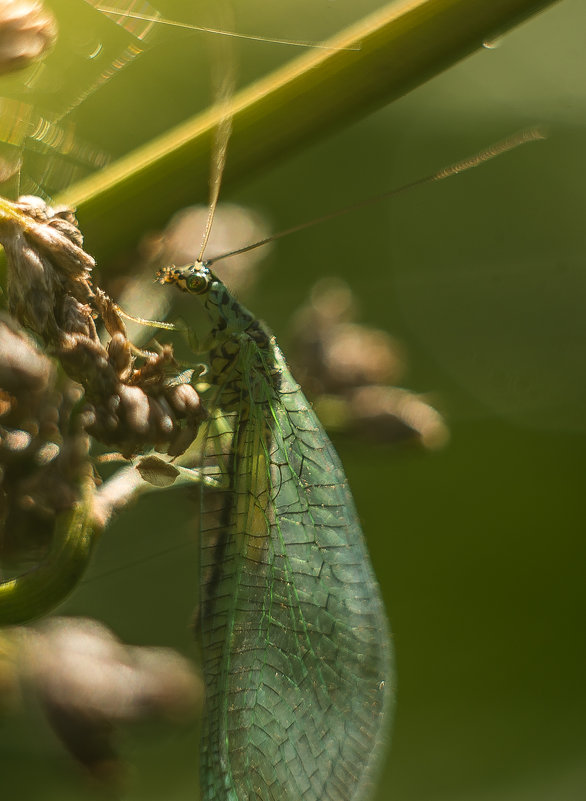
(197, 283)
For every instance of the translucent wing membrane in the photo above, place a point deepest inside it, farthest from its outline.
(295, 639)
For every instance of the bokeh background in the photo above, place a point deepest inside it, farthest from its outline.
(480, 547)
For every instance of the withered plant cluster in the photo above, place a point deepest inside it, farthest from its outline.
(134, 399)
(43, 452)
(88, 683)
(351, 372)
(51, 400)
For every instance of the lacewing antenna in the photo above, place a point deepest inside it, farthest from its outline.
(491, 152)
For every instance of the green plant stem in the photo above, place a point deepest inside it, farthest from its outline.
(41, 589)
(401, 46)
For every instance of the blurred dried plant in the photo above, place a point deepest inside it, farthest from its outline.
(89, 683)
(27, 32)
(351, 372)
(43, 449)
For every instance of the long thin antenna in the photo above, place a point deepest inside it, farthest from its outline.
(223, 81)
(491, 152)
(220, 151)
(188, 26)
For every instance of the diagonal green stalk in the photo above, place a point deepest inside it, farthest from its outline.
(402, 45)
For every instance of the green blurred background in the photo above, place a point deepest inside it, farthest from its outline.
(480, 547)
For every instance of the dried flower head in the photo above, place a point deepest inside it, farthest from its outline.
(89, 683)
(395, 414)
(351, 371)
(27, 32)
(135, 400)
(43, 452)
(331, 353)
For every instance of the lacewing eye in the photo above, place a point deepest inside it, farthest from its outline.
(197, 283)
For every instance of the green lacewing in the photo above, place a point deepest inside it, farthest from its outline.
(296, 649)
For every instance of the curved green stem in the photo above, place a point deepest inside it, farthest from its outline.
(38, 591)
(402, 45)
